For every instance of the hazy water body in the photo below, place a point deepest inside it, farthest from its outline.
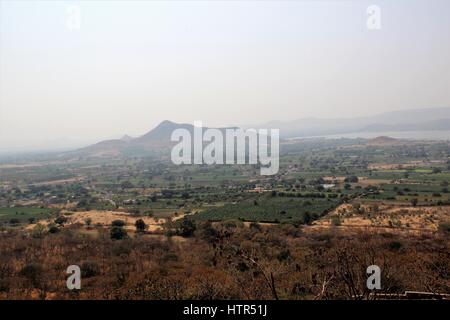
(413, 135)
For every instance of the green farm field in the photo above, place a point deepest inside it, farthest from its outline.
(24, 214)
(271, 209)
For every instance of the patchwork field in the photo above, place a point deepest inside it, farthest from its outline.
(146, 228)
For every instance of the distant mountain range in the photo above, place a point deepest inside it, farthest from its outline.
(157, 141)
(405, 120)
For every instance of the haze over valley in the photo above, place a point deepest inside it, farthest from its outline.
(97, 202)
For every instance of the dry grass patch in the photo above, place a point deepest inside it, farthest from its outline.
(390, 217)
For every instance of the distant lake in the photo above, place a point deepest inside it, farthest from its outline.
(413, 135)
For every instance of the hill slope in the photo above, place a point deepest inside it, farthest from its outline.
(156, 142)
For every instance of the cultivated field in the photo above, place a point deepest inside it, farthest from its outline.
(143, 228)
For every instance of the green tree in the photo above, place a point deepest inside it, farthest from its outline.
(60, 220)
(351, 179)
(307, 218)
(140, 225)
(187, 228)
(118, 233)
(118, 223)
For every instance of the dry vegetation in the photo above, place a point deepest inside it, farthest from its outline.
(224, 260)
(146, 229)
(372, 217)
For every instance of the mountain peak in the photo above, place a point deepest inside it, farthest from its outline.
(126, 138)
(161, 133)
(166, 123)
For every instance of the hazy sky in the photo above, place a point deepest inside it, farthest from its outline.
(131, 65)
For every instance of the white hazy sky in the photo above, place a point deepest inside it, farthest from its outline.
(131, 64)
